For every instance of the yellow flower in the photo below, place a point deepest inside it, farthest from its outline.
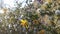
(24, 23)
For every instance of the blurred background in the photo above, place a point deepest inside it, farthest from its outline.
(29, 16)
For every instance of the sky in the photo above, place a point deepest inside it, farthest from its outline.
(11, 3)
